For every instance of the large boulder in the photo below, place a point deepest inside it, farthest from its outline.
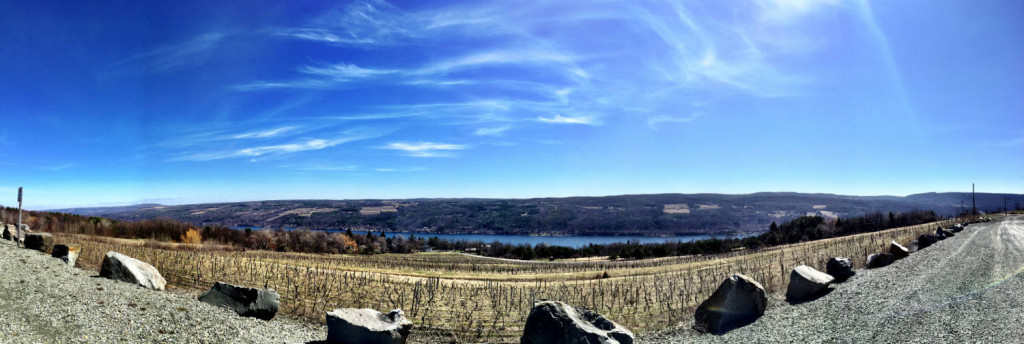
(67, 253)
(124, 268)
(878, 260)
(352, 326)
(840, 268)
(247, 302)
(737, 302)
(926, 240)
(9, 232)
(898, 251)
(555, 322)
(42, 242)
(913, 247)
(805, 283)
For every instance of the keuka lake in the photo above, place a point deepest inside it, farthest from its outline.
(566, 241)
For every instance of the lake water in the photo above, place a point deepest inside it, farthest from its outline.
(566, 241)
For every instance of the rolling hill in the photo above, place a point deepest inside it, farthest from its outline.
(654, 214)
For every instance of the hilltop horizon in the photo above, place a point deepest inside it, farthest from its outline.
(151, 203)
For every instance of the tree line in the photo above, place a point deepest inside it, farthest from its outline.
(807, 228)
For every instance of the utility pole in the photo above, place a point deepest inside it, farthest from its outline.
(18, 239)
(974, 206)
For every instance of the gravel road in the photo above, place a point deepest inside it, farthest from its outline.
(42, 300)
(965, 289)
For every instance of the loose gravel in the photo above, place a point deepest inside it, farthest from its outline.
(42, 300)
(965, 289)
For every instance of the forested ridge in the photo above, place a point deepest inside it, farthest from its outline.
(651, 215)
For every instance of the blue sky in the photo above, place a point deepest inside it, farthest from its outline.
(198, 101)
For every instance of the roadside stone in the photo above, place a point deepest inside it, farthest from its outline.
(67, 253)
(9, 232)
(555, 322)
(124, 268)
(351, 326)
(737, 302)
(898, 251)
(42, 242)
(913, 246)
(840, 268)
(926, 240)
(247, 302)
(805, 283)
(878, 260)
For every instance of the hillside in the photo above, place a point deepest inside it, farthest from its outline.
(655, 214)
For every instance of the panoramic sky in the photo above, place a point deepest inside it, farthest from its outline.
(113, 103)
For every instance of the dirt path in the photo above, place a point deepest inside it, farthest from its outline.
(963, 289)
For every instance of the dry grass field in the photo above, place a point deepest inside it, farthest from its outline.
(455, 297)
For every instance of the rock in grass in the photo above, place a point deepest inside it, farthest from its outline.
(898, 251)
(555, 322)
(805, 283)
(351, 326)
(247, 302)
(737, 302)
(840, 268)
(42, 242)
(127, 269)
(878, 260)
(67, 253)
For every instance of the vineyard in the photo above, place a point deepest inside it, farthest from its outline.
(456, 297)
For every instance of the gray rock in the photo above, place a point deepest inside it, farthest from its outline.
(898, 251)
(737, 302)
(367, 326)
(912, 246)
(9, 232)
(42, 242)
(247, 302)
(555, 322)
(806, 283)
(840, 268)
(67, 253)
(124, 268)
(926, 240)
(878, 260)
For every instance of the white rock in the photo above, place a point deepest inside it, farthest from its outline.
(124, 268)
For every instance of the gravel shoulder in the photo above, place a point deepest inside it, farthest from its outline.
(965, 289)
(42, 300)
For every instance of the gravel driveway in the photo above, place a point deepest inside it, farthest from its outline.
(42, 300)
(965, 289)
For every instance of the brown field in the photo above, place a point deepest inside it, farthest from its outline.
(464, 298)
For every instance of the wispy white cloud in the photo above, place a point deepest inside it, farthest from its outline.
(174, 55)
(269, 150)
(568, 120)
(265, 133)
(359, 23)
(322, 168)
(654, 121)
(494, 131)
(425, 149)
